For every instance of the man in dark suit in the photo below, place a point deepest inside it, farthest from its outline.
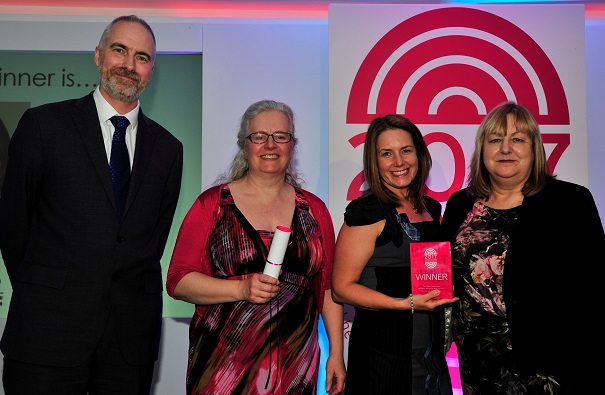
(86, 309)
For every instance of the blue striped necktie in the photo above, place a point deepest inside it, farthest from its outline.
(119, 162)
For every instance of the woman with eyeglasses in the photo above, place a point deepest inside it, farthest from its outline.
(252, 333)
(398, 339)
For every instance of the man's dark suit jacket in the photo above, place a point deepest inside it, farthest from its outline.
(70, 259)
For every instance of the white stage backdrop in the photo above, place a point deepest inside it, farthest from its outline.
(445, 68)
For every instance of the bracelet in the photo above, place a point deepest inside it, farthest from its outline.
(412, 303)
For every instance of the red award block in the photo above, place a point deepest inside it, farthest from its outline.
(431, 267)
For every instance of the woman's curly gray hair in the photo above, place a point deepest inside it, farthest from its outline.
(239, 166)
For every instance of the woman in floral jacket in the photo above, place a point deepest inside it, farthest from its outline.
(516, 260)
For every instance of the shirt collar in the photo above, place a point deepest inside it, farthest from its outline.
(106, 111)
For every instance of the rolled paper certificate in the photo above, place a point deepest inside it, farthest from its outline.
(277, 251)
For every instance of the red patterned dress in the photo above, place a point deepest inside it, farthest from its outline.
(246, 348)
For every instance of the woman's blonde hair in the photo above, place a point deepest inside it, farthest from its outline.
(495, 123)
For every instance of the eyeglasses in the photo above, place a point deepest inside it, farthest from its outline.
(262, 138)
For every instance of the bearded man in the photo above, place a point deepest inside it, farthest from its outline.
(84, 219)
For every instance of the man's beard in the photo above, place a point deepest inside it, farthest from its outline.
(118, 88)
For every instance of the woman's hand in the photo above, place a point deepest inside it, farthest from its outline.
(335, 374)
(427, 301)
(258, 288)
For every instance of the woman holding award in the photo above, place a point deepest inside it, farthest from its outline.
(252, 333)
(398, 340)
(515, 238)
